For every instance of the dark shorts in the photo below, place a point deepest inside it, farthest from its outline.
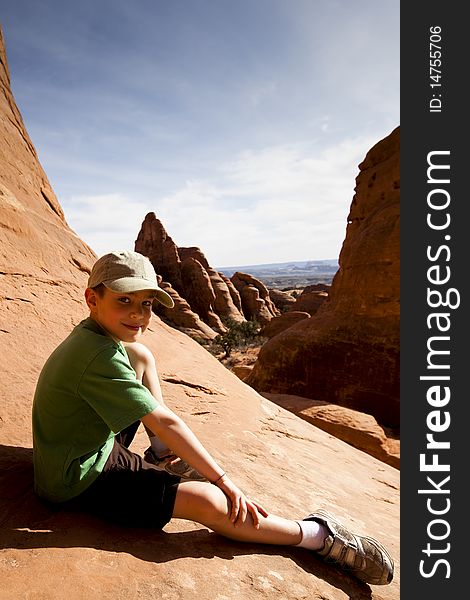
(129, 491)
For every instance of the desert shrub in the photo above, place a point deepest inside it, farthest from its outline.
(237, 336)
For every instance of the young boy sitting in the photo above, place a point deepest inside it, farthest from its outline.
(92, 394)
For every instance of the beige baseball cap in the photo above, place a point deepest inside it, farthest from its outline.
(126, 271)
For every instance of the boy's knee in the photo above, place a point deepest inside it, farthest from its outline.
(214, 503)
(202, 501)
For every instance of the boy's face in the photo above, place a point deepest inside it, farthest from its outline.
(124, 316)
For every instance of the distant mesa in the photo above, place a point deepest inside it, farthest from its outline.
(204, 298)
(289, 275)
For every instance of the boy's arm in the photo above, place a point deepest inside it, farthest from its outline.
(174, 432)
(143, 363)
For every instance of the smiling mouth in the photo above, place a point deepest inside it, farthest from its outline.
(132, 327)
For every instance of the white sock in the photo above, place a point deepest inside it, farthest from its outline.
(313, 535)
(159, 448)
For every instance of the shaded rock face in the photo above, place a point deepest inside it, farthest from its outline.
(309, 301)
(242, 371)
(348, 352)
(44, 270)
(182, 316)
(210, 295)
(282, 300)
(153, 241)
(283, 322)
(199, 292)
(256, 303)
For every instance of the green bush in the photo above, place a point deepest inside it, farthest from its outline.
(238, 335)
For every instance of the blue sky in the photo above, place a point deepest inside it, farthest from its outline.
(241, 124)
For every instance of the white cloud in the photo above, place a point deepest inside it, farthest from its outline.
(105, 222)
(277, 204)
(242, 134)
(261, 91)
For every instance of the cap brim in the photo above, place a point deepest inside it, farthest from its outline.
(127, 285)
(165, 298)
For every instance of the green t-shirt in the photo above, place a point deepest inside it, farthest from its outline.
(86, 393)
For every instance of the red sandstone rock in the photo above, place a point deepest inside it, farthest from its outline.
(283, 322)
(309, 302)
(189, 273)
(256, 303)
(358, 429)
(348, 352)
(182, 317)
(233, 292)
(227, 303)
(282, 300)
(317, 287)
(154, 242)
(242, 371)
(206, 291)
(199, 292)
(43, 268)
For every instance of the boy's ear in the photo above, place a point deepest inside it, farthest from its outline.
(90, 298)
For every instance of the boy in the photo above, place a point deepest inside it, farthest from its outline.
(92, 394)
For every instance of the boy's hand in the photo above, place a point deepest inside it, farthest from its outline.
(240, 504)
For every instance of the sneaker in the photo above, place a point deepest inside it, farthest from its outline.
(362, 556)
(180, 468)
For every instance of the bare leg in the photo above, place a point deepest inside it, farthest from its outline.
(208, 505)
(203, 502)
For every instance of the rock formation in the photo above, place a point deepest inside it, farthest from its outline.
(43, 267)
(212, 296)
(154, 242)
(200, 289)
(182, 316)
(241, 371)
(289, 465)
(317, 287)
(283, 322)
(282, 300)
(348, 352)
(256, 303)
(309, 301)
